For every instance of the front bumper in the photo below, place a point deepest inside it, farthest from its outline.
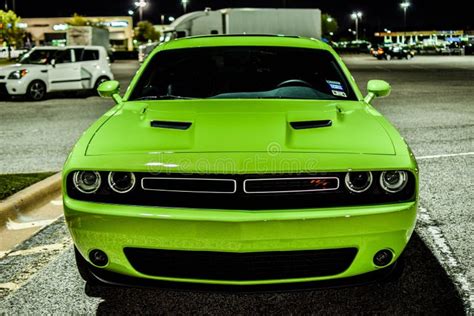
(111, 228)
(13, 87)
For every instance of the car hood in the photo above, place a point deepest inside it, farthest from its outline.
(242, 126)
(7, 70)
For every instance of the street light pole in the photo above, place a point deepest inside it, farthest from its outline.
(185, 3)
(356, 16)
(141, 4)
(405, 6)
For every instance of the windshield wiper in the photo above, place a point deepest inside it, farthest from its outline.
(163, 97)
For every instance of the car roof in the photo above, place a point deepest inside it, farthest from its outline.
(246, 40)
(66, 47)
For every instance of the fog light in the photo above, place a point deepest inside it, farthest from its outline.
(383, 257)
(98, 257)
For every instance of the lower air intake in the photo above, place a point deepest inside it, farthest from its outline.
(240, 266)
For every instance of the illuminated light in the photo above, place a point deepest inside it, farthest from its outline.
(141, 4)
(405, 5)
(60, 27)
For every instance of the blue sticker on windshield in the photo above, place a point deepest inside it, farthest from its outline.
(335, 85)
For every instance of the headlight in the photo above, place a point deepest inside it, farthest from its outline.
(393, 181)
(18, 74)
(121, 182)
(358, 182)
(87, 182)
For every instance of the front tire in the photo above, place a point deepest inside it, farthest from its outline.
(99, 81)
(36, 90)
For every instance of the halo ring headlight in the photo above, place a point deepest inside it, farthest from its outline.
(358, 182)
(86, 182)
(393, 181)
(121, 182)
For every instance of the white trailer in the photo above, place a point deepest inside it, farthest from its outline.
(88, 36)
(292, 22)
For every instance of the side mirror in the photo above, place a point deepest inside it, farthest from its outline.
(53, 62)
(110, 89)
(377, 89)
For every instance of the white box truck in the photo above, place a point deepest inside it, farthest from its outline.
(292, 22)
(89, 36)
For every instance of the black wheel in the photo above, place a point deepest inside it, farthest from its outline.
(84, 268)
(36, 91)
(99, 81)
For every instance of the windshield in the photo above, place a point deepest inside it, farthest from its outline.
(243, 73)
(38, 56)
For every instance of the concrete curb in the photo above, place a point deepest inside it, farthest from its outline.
(29, 198)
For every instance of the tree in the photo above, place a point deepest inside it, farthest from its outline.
(10, 33)
(329, 24)
(145, 31)
(79, 20)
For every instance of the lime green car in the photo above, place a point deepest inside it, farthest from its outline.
(240, 161)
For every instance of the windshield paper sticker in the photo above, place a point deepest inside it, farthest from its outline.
(339, 93)
(335, 85)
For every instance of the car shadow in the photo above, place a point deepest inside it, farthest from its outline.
(53, 95)
(423, 288)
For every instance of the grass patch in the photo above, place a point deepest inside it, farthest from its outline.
(12, 183)
(6, 62)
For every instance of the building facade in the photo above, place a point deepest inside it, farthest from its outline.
(52, 31)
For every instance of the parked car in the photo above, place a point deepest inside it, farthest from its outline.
(358, 47)
(14, 53)
(145, 50)
(51, 69)
(389, 52)
(240, 160)
(452, 49)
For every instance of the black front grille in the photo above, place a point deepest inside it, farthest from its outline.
(3, 88)
(229, 191)
(290, 185)
(189, 185)
(240, 266)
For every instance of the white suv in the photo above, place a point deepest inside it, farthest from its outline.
(48, 69)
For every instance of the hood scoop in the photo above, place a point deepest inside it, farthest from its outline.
(171, 125)
(310, 124)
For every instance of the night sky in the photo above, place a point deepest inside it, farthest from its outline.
(378, 14)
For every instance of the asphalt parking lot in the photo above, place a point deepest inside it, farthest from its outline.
(37, 136)
(432, 106)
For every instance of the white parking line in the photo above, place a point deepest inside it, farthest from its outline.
(39, 249)
(12, 225)
(9, 286)
(435, 240)
(445, 155)
(57, 202)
